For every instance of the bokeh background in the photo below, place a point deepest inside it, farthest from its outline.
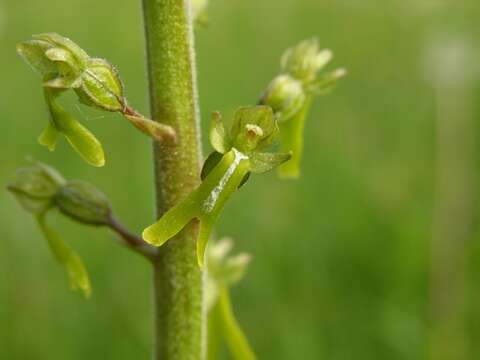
(373, 254)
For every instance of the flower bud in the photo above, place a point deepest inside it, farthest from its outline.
(35, 187)
(223, 267)
(223, 270)
(84, 203)
(101, 86)
(64, 65)
(305, 60)
(285, 95)
(254, 128)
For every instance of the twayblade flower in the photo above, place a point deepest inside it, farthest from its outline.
(64, 66)
(237, 154)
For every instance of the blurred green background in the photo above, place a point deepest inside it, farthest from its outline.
(373, 254)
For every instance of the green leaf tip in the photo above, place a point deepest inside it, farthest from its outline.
(290, 94)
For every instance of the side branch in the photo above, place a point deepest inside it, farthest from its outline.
(132, 241)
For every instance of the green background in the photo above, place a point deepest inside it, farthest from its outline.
(342, 256)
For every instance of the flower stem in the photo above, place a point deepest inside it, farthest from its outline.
(179, 319)
(236, 339)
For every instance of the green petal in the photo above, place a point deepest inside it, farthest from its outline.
(84, 142)
(65, 256)
(263, 162)
(64, 82)
(81, 139)
(218, 136)
(60, 41)
(33, 53)
(61, 55)
(327, 82)
(49, 137)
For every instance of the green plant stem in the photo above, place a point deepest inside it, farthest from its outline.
(179, 319)
(291, 133)
(236, 339)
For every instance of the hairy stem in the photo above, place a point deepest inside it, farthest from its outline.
(173, 101)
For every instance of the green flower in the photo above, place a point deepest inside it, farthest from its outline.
(64, 66)
(291, 92)
(236, 155)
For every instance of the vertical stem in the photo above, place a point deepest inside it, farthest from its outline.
(453, 210)
(236, 339)
(173, 100)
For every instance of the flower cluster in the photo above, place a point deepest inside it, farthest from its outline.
(290, 94)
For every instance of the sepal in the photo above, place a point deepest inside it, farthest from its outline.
(254, 128)
(35, 187)
(219, 138)
(264, 162)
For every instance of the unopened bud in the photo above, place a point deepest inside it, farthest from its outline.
(35, 187)
(101, 86)
(223, 268)
(285, 95)
(83, 202)
(305, 60)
